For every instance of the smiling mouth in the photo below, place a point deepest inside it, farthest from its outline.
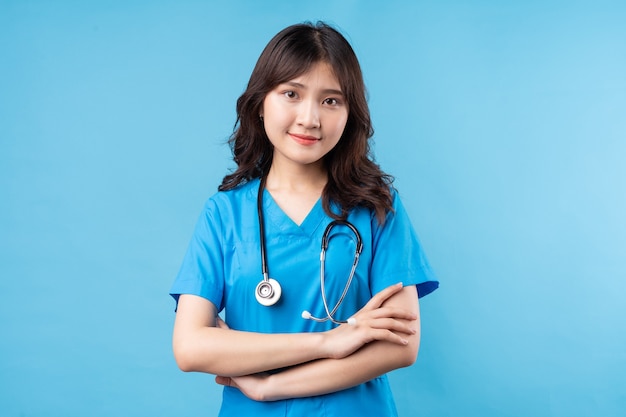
(304, 137)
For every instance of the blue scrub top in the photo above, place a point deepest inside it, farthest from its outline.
(223, 265)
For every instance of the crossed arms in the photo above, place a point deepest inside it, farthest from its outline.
(385, 337)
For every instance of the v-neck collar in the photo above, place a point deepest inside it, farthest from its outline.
(273, 213)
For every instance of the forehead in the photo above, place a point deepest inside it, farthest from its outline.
(319, 74)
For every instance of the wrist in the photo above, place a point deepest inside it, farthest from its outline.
(324, 344)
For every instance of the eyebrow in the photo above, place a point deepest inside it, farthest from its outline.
(324, 91)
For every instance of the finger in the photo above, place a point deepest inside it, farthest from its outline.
(223, 380)
(221, 323)
(377, 300)
(393, 325)
(226, 381)
(389, 336)
(392, 312)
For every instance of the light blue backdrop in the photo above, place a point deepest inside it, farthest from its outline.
(504, 123)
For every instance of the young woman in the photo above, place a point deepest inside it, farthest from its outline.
(306, 247)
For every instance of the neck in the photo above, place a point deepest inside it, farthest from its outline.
(300, 179)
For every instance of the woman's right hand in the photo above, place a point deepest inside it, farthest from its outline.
(375, 321)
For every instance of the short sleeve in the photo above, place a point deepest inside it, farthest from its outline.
(398, 255)
(202, 270)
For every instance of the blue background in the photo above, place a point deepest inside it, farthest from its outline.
(503, 122)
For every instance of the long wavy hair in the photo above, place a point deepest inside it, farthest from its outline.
(354, 179)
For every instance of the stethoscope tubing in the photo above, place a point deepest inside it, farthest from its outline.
(273, 288)
(259, 204)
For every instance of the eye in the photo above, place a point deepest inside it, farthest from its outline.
(332, 102)
(290, 94)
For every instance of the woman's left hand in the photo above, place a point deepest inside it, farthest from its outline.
(252, 386)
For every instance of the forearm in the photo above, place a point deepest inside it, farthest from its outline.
(330, 375)
(233, 353)
(201, 345)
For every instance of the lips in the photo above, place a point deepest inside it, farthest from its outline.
(304, 139)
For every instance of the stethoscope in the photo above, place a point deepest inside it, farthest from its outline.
(268, 291)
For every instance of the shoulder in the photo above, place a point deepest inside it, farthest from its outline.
(226, 208)
(398, 212)
(396, 208)
(396, 200)
(362, 209)
(243, 194)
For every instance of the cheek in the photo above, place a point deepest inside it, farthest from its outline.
(275, 117)
(339, 124)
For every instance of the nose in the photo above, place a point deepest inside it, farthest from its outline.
(308, 114)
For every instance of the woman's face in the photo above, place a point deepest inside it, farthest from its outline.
(305, 117)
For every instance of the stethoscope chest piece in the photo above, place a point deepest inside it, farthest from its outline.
(268, 292)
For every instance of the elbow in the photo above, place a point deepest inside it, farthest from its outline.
(408, 355)
(190, 357)
(184, 357)
(410, 359)
(407, 358)
(184, 365)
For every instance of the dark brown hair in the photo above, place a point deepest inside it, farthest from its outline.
(354, 179)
